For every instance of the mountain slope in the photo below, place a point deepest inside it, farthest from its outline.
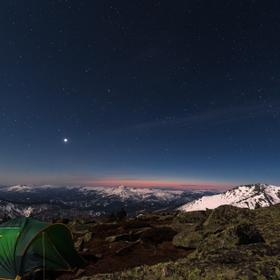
(248, 196)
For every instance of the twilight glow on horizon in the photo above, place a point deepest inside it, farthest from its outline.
(140, 93)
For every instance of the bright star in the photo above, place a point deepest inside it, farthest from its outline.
(65, 140)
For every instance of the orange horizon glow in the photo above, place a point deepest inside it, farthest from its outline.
(132, 182)
(62, 180)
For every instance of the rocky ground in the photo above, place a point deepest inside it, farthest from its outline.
(225, 243)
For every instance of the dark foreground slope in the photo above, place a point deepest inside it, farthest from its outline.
(225, 243)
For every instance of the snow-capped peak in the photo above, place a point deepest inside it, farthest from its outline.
(246, 196)
(124, 193)
(19, 188)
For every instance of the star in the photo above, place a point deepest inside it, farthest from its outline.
(65, 140)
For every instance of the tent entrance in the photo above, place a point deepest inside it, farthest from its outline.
(42, 254)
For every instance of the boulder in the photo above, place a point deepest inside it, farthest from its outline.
(188, 239)
(126, 248)
(248, 233)
(158, 235)
(81, 240)
(87, 237)
(226, 215)
(192, 217)
(79, 244)
(118, 237)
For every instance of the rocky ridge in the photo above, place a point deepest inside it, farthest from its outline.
(245, 196)
(224, 243)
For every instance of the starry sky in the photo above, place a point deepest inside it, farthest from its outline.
(147, 93)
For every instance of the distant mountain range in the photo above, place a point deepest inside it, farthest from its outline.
(49, 202)
(247, 196)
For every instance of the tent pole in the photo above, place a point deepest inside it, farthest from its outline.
(44, 256)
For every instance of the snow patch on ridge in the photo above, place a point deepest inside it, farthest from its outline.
(248, 196)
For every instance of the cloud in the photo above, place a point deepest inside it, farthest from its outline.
(213, 117)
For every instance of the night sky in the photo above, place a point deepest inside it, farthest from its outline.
(141, 93)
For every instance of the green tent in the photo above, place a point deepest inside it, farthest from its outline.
(27, 245)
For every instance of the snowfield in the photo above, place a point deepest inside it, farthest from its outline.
(247, 196)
